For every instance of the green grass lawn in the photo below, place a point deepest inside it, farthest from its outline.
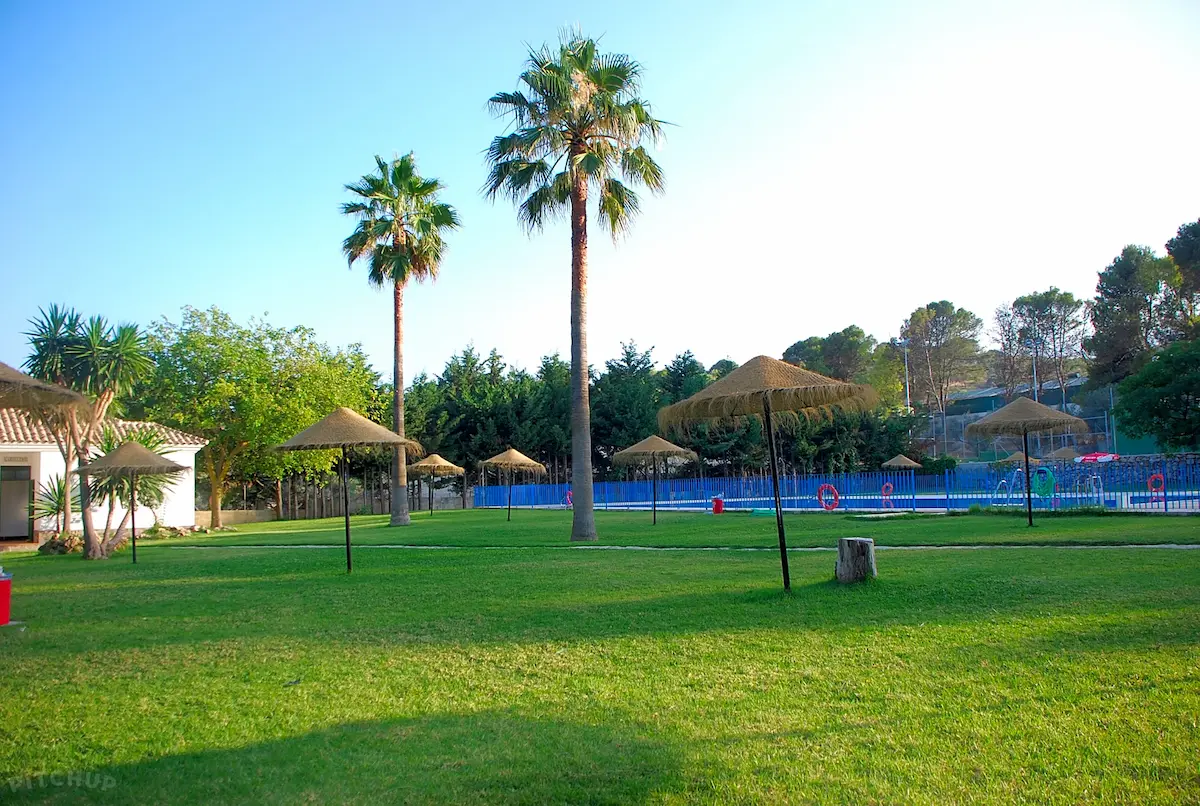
(237, 675)
(553, 527)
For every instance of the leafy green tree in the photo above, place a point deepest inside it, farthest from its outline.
(682, 378)
(885, 373)
(579, 126)
(1008, 364)
(1184, 249)
(1033, 315)
(400, 236)
(943, 339)
(626, 405)
(1134, 313)
(320, 379)
(102, 362)
(425, 418)
(844, 355)
(1052, 326)
(722, 368)
(1162, 399)
(809, 353)
(551, 413)
(847, 353)
(247, 388)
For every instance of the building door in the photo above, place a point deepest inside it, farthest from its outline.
(16, 498)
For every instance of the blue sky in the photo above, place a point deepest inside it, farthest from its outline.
(830, 164)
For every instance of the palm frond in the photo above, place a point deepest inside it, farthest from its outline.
(545, 203)
(580, 107)
(637, 166)
(398, 212)
(618, 204)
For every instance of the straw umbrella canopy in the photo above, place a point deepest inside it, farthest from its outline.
(1063, 454)
(512, 460)
(433, 466)
(131, 458)
(650, 449)
(21, 391)
(343, 429)
(1021, 418)
(1017, 457)
(900, 462)
(762, 387)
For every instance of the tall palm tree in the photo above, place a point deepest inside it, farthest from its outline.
(399, 236)
(578, 126)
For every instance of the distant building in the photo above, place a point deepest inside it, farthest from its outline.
(947, 434)
(987, 399)
(30, 459)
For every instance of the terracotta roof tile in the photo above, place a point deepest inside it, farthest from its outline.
(18, 427)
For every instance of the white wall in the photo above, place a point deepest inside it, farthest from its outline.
(179, 503)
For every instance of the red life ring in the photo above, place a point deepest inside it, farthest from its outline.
(828, 506)
(1162, 483)
(886, 491)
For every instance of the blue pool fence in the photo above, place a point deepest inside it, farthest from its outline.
(1167, 485)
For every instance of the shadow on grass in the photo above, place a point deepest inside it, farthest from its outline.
(486, 757)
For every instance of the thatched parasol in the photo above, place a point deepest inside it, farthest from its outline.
(1063, 454)
(132, 458)
(900, 462)
(512, 460)
(649, 449)
(434, 466)
(1021, 418)
(344, 428)
(21, 391)
(1017, 457)
(760, 387)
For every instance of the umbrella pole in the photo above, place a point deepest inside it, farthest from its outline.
(510, 475)
(132, 513)
(432, 478)
(654, 489)
(346, 505)
(1028, 489)
(783, 559)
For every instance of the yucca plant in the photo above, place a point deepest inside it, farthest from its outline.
(52, 502)
(99, 360)
(151, 489)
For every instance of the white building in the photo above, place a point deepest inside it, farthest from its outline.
(30, 459)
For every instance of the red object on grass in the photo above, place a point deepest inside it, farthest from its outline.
(718, 505)
(5, 597)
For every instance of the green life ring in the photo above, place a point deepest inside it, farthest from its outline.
(1042, 482)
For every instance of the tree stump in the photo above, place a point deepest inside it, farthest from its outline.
(856, 559)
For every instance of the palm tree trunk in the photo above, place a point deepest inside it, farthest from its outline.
(583, 524)
(69, 464)
(400, 516)
(92, 549)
